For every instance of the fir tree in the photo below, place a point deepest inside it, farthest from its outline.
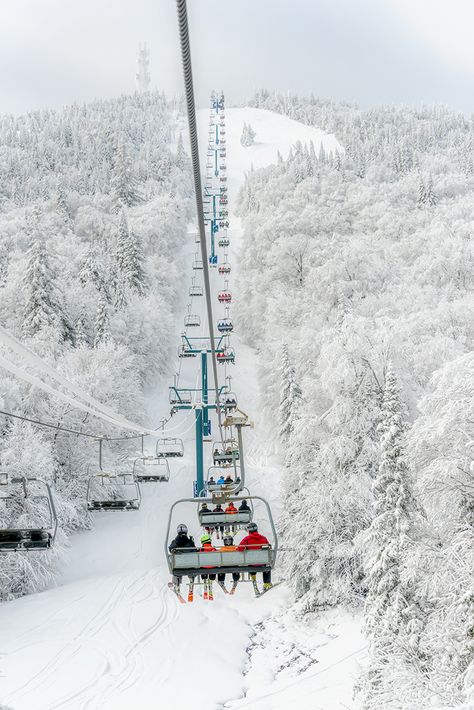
(124, 185)
(290, 397)
(130, 257)
(42, 302)
(102, 333)
(391, 614)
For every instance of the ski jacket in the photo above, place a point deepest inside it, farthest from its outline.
(208, 547)
(221, 480)
(218, 509)
(205, 511)
(253, 541)
(228, 548)
(231, 509)
(182, 541)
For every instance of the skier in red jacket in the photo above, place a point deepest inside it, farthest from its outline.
(255, 541)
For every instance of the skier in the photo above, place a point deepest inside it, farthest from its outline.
(205, 510)
(211, 481)
(208, 579)
(221, 480)
(182, 543)
(228, 547)
(244, 507)
(255, 541)
(228, 480)
(219, 509)
(231, 509)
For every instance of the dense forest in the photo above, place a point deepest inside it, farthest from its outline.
(356, 277)
(94, 203)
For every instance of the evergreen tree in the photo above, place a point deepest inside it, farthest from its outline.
(391, 614)
(102, 333)
(248, 136)
(430, 195)
(42, 302)
(181, 156)
(130, 257)
(421, 198)
(290, 397)
(124, 185)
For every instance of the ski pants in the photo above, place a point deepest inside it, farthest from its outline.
(267, 576)
(211, 576)
(221, 576)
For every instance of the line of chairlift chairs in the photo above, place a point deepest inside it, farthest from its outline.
(27, 504)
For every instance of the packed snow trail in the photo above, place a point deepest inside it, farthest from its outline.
(111, 635)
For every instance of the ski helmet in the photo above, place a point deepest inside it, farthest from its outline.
(228, 540)
(252, 527)
(205, 538)
(182, 529)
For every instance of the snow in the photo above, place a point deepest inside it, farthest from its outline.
(111, 635)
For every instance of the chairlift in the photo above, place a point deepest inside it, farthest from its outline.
(169, 447)
(195, 290)
(192, 321)
(226, 355)
(151, 469)
(228, 401)
(233, 481)
(224, 296)
(225, 325)
(28, 515)
(224, 269)
(113, 491)
(191, 563)
(212, 519)
(180, 396)
(225, 453)
(184, 351)
(197, 265)
(224, 241)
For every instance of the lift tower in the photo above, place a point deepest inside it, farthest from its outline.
(143, 73)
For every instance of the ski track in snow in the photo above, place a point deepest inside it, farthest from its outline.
(110, 635)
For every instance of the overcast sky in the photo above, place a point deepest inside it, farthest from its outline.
(54, 52)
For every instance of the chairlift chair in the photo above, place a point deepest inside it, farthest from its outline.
(151, 469)
(211, 520)
(225, 325)
(228, 401)
(25, 499)
(195, 290)
(169, 447)
(226, 356)
(191, 563)
(192, 321)
(225, 453)
(224, 297)
(224, 241)
(197, 265)
(224, 269)
(184, 351)
(113, 491)
(180, 396)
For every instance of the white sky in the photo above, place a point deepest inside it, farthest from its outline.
(371, 51)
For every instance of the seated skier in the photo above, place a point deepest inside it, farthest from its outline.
(205, 510)
(244, 507)
(255, 541)
(182, 543)
(219, 509)
(228, 547)
(211, 481)
(221, 480)
(207, 546)
(228, 480)
(231, 509)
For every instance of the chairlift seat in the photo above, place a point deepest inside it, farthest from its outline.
(194, 563)
(169, 447)
(26, 539)
(212, 519)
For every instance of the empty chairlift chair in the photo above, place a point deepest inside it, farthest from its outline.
(169, 447)
(192, 321)
(28, 518)
(113, 491)
(195, 290)
(149, 469)
(179, 396)
(228, 401)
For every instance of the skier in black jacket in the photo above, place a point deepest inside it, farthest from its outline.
(182, 540)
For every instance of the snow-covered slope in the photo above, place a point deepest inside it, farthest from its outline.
(111, 635)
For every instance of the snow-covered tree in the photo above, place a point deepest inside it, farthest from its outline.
(248, 135)
(102, 325)
(130, 257)
(124, 185)
(290, 397)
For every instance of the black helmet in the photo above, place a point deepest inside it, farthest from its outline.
(182, 529)
(228, 540)
(252, 527)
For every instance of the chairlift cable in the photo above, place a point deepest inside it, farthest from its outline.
(191, 111)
